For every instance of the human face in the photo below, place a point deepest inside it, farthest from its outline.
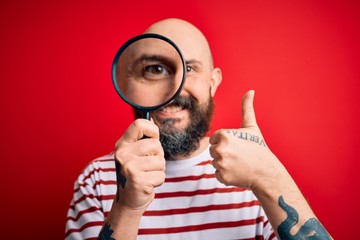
(201, 75)
(202, 80)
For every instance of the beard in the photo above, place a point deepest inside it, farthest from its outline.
(182, 142)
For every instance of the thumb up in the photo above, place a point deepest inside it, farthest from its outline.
(241, 155)
(248, 112)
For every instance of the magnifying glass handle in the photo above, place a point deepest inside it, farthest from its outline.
(146, 115)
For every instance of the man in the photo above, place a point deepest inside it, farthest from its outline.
(207, 188)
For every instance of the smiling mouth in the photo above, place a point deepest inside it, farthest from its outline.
(178, 105)
(171, 109)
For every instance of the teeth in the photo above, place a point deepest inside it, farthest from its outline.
(171, 109)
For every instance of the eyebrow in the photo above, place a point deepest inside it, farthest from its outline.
(147, 57)
(154, 58)
(193, 61)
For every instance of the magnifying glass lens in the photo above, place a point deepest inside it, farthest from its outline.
(149, 73)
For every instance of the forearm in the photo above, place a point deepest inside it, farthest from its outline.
(287, 210)
(121, 223)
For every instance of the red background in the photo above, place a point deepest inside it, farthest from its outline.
(59, 109)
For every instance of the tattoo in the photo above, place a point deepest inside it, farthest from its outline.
(120, 179)
(247, 136)
(106, 232)
(312, 229)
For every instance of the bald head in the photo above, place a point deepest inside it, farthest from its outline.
(187, 37)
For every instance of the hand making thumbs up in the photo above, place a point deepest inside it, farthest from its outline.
(241, 157)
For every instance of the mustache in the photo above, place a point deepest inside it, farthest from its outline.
(186, 102)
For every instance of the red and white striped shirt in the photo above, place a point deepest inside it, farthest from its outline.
(191, 204)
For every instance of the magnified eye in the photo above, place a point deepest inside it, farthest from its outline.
(156, 72)
(153, 68)
(156, 69)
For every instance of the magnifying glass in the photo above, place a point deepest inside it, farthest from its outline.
(148, 72)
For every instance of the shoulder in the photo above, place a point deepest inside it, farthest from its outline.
(99, 168)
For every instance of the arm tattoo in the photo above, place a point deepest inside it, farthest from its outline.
(106, 232)
(312, 229)
(247, 136)
(120, 179)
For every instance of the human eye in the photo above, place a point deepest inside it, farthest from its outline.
(193, 67)
(153, 68)
(156, 69)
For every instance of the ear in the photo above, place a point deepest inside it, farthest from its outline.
(216, 78)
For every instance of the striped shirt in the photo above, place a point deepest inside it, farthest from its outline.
(191, 204)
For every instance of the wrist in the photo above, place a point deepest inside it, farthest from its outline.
(120, 215)
(123, 221)
(128, 209)
(272, 179)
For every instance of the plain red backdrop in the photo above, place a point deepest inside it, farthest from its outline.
(59, 109)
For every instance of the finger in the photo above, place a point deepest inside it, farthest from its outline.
(214, 151)
(151, 163)
(147, 147)
(218, 136)
(215, 164)
(248, 112)
(140, 128)
(142, 148)
(219, 176)
(155, 178)
(214, 139)
(141, 165)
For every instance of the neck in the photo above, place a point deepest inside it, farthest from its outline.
(204, 143)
